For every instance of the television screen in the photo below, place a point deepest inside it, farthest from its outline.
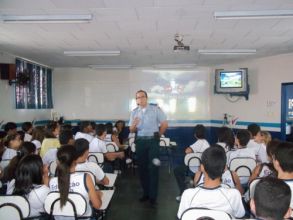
(231, 79)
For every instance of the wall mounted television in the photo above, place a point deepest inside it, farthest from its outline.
(232, 82)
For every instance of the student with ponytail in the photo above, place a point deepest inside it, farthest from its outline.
(69, 181)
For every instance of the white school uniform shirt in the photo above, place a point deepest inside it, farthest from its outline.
(50, 156)
(77, 184)
(200, 146)
(241, 152)
(224, 145)
(290, 184)
(108, 138)
(37, 143)
(92, 167)
(36, 197)
(259, 150)
(86, 136)
(98, 145)
(265, 171)
(227, 178)
(9, 154)
(27, 137)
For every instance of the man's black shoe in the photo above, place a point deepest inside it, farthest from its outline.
(144, 199)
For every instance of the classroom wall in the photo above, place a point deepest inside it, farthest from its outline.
(7, 101)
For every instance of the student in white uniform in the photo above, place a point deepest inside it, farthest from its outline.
(85, 131)
(226, 138)
(38, 136)
(10, 128)
(27, 128)
(82, 151)
(283, 163)
(51, 140)
(32, 182)
(111, 137)
(70, 181)
(255, 143)
(271, 200)
(212, 195)
(12, 143)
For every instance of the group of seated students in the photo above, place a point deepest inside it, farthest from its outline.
(26, 156)
(216, 187)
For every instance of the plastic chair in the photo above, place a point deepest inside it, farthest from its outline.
(14, 207)
(165, 151)
(112, 147)
(193, 161)
(252, 185)
(52, 168)
(243, 166)
(96, 157)
(196, 213)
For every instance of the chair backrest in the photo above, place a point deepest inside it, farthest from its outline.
(196, 213)
(164, 142)
(131, 140)
(52, 168)
(192, 160)
(252, 185)
(4, 164)
(133, 147)
(112, 147)
(14, 206)
(76, 205)
(243, 166)
(96, 157)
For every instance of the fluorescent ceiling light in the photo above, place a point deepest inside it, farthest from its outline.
(228, 52)
(174, 66)
(82, 18)
(110, 66)
(94, 53)
(253, 14)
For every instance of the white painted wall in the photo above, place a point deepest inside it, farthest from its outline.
(265, 78)
(7, 102)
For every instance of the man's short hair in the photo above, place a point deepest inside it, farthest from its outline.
(253, 129)
(101, 128)
(81, 145)
(145, 93)
(214, 160)
(243, 137)
(284, 155)
(199, 131)
(83, 125)
(65, 136)
(9, 126)
(26, 126)
(272, 198)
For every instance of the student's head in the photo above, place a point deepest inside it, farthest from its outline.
(141, 97)
(283, 157)
(66, 127)
(242, 138)
(13, 141)
(29, 172)
(82, 149)
(225, 135)
(93, 128)
(53, 129)
(271, 148)
(266, 137)
(85, 127)
(109, 127)
(199, 131)
(38, 133)
(213, 161)
(10, 128)
(120, 125)
(28, 148)
(27, 127)
(66, 137)
(271, 199)
(66, 156)
(101, 131)
(254, 130)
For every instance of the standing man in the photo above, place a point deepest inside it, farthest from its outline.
(148, 122)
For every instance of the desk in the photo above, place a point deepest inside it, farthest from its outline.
(112, 179)
(106, 198)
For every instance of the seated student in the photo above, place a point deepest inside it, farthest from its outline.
(38, 136)
(255, 143)
(51, 138)
(65, 137)
(31, 180)
(10, 128)
(12, 143)
(110, 137)
(199, 146)
(266, 137)
(266, 169)
(70, 181)
(212, 195)
(85, 131)
(121, 131)
(271, 200)
(27, 128)
(283, 163)
(226, 138)
(82, 152)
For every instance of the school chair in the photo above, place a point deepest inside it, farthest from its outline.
(196, 213)
(112, 147)
(192, 161)
(243, 166)
(52, 168)
(96, 157)
(165, 152)
(14, 207)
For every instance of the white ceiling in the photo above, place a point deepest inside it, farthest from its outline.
(144, 31)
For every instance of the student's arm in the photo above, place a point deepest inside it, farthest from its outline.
(196, 177)
(46, 175)
(237, 182)
(114, 155)
(104, 181)
(188, 150)
(116, 141)
(254, 174)
(93, 195)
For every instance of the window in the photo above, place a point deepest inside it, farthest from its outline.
(33, 87)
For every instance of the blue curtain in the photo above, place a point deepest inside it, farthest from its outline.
(33, 87)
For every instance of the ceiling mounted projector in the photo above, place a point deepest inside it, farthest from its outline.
(180, 46)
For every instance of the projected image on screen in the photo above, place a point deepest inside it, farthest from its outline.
(182, 95)
(231, 79)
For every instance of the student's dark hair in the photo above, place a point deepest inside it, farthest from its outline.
(28, 173)
(9, 126)
(214, 160)
(81, 145)
(66, 157)
(272, 198)
(225, 135)
(101, 128)
(145, 93)
(253, 129)
(205, 218)
(93, 124)
(118, 122)
(83, 125)
(38, 133)
(21, 134)
(272, 147)
(65, 136)
(66, 127)
(9, 138)
(26, 126)
(199, 131)
(51, 127)
(243, 137)
(284, 154)
(109, 127)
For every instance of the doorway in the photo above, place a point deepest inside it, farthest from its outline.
(287, 111)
